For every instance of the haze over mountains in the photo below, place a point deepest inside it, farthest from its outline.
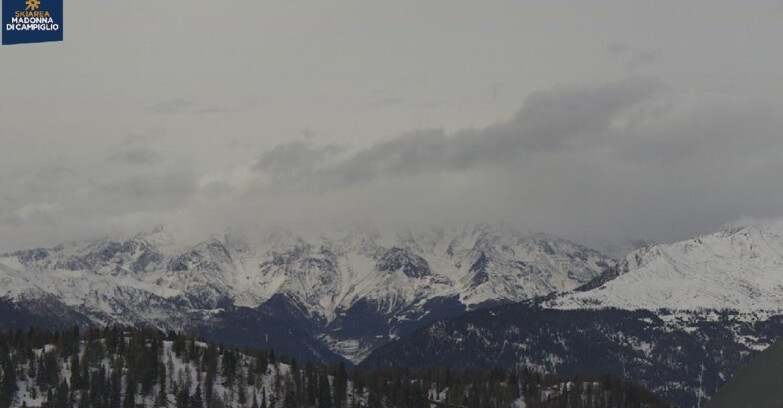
(680, 318)
(352, 289)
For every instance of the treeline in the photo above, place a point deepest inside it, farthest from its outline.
(119, 367)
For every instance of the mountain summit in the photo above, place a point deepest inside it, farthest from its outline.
(351, 290)
(739, 269)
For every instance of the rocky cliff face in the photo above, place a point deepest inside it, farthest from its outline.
(350, 291)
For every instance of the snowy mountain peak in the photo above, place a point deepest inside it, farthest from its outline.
(739, 268)
(314, 279)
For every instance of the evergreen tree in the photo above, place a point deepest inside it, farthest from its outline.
(115, 388)
(162, 400)
(229, 366)
(290, 399)
(340, 386)
(130, 395)
(324, 391)
(241, 394)
(311, 379)
(76, 372)
(8, 386)
(183, 397)
(61, 398)
(197, 401)
(84, 401)
(91, 385)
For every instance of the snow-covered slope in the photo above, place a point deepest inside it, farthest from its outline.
(323, 283)
(680, 318)
(739, 269)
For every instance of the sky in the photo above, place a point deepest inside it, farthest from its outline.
(599, 121)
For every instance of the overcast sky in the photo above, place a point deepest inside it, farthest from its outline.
(595, 121)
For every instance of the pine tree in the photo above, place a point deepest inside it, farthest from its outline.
(251, 375)
(241, 394)
(76, 372)
(229, 370)
(211, 363)
(512, 384)
(61, 396)
(84, 401)
(340, 386)
(290, 398)
(197, 401)
(324, 391)
(8, 385)
(311, 379)
(50, 375)
(162, 400)
(49, 403)
(130, 395)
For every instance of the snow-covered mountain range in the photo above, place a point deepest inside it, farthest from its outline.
(350, 290)
(345, 293)
(739, 269)
(680, 318)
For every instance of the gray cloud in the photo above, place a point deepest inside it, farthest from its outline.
(552, 120)
(432, 121)
(619, 160)
(136, 155)
(296, 161)
(216, 189)
(173, 106)
(390, 100)
(32, 214)
(632, 58)
(622, 159)
(146, 192)
(188, 107)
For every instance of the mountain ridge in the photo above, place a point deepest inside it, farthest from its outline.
(739, 269)
(718, 296)
(318, 283)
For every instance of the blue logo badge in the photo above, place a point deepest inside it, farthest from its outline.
(32, 21)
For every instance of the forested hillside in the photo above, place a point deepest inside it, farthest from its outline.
(128, 368)
(684, 365)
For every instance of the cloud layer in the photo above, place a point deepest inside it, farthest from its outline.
(597, 122)
(605, 162)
